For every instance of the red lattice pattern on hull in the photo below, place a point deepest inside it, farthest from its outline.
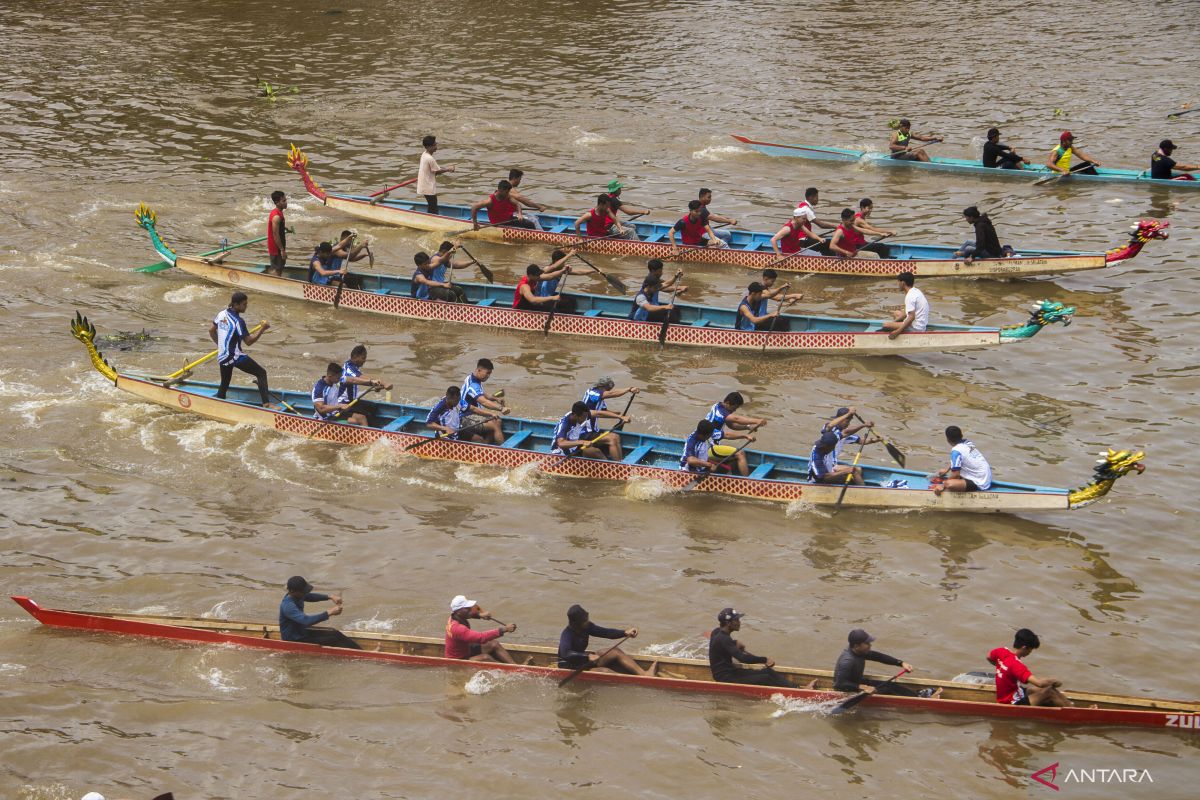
(629, 330)
(493, 456)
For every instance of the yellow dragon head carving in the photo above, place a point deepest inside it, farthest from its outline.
(1111, 466)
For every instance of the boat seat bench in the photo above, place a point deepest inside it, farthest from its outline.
(517, 439)
(762, 470)
(637, 454)
(399, 422)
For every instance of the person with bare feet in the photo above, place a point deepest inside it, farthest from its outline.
(848, 672)
(723, 650)
(1012, 676)
(573, 650)
(471, 645)
(969, 471)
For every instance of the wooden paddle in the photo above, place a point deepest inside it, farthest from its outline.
(1178, 114)
(851, 702)
(183, 372)
(438, 435)
(1058, 176)
(580, 448)
(850, 474)
(694, 482)
(390, 188)
(484, 271)
(662, 332)
(775, 319)
(892, 450)
(283, 402)
(589, 664)
(161, 265)
(616, 283)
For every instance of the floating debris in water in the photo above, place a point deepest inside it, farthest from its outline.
(273, 93)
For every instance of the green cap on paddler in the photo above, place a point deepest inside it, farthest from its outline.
(298, 584)
(615, 185)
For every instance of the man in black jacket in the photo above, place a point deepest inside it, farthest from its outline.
(723, 650)
(848, 673)
(986, 243)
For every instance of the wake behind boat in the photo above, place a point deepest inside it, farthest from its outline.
(679, 674)
(599, 316)
(962, 166)
(750, 249)
(771, 476)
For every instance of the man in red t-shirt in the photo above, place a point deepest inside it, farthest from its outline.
(277, 234)
(1012, 676)
(470, 645)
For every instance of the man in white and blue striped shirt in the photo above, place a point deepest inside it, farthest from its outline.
(969, 471)
(229, 332)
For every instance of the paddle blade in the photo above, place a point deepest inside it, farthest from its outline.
(159, 267)
(486, 273)
(895, 453)
(616, 283)
(846, 705)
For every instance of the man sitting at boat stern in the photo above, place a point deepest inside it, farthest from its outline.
(573, 650)
(969, 471)
(296, 626)
(848, 671)
(1012, 676)
(914, 317)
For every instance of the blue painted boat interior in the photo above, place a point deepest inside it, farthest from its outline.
(639, 448)
(752, 241)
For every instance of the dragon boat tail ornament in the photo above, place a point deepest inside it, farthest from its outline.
(85, 332)
(299, 162)
(1139, 235)
(1111, 466)
(1045, 312)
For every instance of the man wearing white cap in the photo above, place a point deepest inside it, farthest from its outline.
(93, 796)
(468, 645)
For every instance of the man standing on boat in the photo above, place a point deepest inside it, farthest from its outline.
(474, 400)
(693, 230)
(848, 671)
(296, 626)
(469, 645)
(427, 172)
(914, 317)
(1162, 166)
(353, 378)
(577, 432)
(619, 206)
(277, 234)
(502, 210)
(705, 198)
(573, 650)
(329, 398)
(229, 332)
(986, 243)
(1000, 156)
(969, 471)
(901, 143)
(514, 178)
(1060, 157)
(723, 650)
(1012, 676)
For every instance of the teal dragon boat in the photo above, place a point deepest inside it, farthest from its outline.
(960, 165)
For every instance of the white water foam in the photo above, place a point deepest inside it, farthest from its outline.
(647, 489)
(153, 611)
(219, 611)
(217, 680)
(189, 294)
(803, 705)
(680, 648)
(801, 508)
(1114, 201)
(11, 669)
(488, 680)
(526, 480)
(717, 152)
(585, 138)
(373, 625)
(369, 461)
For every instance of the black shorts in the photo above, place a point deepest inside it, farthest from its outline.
(971, 487)
(277, 263)
(476, 650)
(1024, 701)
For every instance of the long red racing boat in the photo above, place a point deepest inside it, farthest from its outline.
(750, 249)
(680, 674)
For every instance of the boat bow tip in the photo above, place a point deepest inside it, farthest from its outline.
(27, 604)
(85, 332)
(147, 218)
(1112, 465)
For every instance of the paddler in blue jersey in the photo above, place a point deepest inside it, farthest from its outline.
(1060, 157)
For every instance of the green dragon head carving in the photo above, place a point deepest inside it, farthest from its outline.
(1045, 312)
(1111, 466)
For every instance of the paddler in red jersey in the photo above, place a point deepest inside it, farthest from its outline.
(469, 645)
(1012, 676)
(599, 220)
(795, 235)
(846, 240)
(502, 209)
(277, 234)
(694, 229)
